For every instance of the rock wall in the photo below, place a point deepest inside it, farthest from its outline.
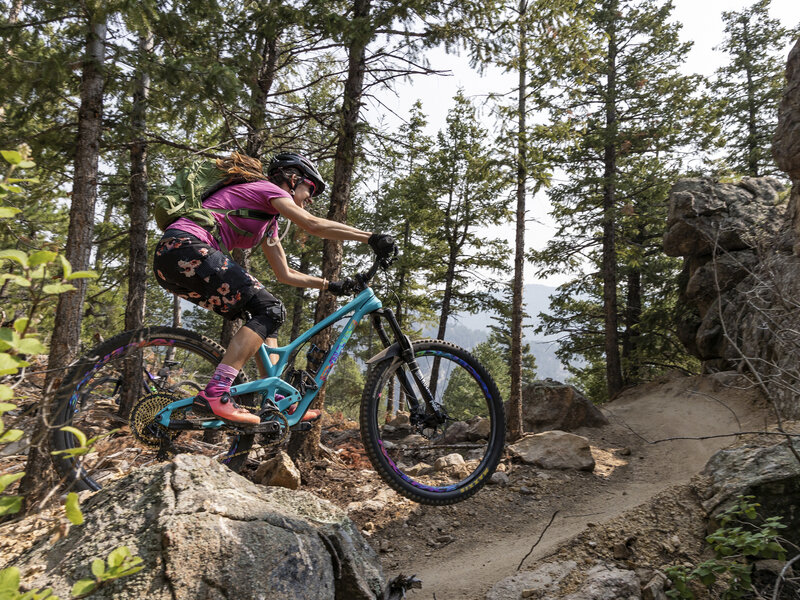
(740, 289)
(206, 532)
(786, 144)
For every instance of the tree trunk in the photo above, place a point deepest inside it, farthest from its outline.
(137, 262)
(344, 161)
(609, 268)
(100, 252)
(65, 341)
(444, 315)
(514, 425)
(259, 91)
(633, 315)
(752, 110)
(299, 298)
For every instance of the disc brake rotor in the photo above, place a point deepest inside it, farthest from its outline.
(143, 419)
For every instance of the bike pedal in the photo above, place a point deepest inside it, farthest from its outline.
(302, 426)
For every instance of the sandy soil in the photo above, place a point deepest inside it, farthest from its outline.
(460, 551)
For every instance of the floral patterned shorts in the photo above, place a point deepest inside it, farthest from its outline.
(195, 271)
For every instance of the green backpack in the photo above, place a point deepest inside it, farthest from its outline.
(193, 184)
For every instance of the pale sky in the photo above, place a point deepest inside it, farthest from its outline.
(702, 24)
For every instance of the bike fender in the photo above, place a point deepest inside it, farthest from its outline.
(385, 354)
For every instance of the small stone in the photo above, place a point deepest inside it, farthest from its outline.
(625, 452)
(499, 478)
(278, 471)
(451, 460)
(445, 539)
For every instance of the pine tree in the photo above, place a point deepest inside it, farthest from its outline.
(632, 115)
(749, 87)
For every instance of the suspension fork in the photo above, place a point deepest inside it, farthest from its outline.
(418, 412)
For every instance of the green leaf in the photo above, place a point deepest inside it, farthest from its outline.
(83, 587)
(16, 255)
(79, 435)
(7, 480)
(82, 275)
(73, 509)
(6, 212)
(12, 156)
(10, 505)
(9, 580)
(57, 288)
(118, 555)
(65, 266)
(6, 406)
(26, 164)
(18, 279)
(9, 364)
(6, 393)
(31, 345)
(98, 567)
(12, 435)
(41, 257)
(21, 324)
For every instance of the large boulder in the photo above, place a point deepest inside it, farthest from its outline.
(542, 582)
(786, 143)
(549, 405)
(770, 473)
(554, 450)
(707, 217)
(206, 532)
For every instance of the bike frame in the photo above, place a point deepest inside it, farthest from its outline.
(366, 302)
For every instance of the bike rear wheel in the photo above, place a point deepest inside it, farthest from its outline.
(173, 361)
(448, 463)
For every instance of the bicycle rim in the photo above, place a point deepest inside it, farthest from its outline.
(173, 361)
(443, 464)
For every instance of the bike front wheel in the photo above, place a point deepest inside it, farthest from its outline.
(160, 363)
(441, 464)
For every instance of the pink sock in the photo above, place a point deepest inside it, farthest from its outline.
(221, 380)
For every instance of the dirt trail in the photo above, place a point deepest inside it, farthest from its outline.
(459, 552)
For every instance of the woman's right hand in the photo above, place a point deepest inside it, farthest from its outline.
(384, 246)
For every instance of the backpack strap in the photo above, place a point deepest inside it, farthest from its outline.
(245, 213)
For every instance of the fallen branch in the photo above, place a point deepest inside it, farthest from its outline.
(781, 576)
(519, 566)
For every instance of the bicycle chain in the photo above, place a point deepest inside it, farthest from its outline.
(284, 434)
(146, 431)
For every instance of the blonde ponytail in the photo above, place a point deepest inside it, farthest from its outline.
(245, 167)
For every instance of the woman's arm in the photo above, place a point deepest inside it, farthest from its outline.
(329, 230)
(284, 273)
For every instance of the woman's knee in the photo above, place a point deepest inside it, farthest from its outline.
(266, 312)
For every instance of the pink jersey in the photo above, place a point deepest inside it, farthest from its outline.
(256, 195)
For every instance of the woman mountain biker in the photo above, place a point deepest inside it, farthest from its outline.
(189, 262)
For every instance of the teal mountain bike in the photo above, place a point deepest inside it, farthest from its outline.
(431, 418)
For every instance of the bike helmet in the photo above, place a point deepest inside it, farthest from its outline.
(286, 160)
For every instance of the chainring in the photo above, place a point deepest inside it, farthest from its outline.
(143, 419)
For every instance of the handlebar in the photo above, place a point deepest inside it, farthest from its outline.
(364, 278)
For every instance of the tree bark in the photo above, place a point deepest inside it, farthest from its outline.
(137, 261)
(344, 161)
(609, 264)
(65, 341)
(259, 91)
(514, 427)
(630, 338)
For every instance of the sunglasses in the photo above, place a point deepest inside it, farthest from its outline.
(311, 185)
